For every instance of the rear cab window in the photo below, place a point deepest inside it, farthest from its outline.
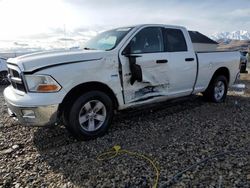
(174, 40)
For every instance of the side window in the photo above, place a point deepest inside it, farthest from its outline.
(175, 40)
(148, 40)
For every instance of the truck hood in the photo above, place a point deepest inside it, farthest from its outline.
(36, 61)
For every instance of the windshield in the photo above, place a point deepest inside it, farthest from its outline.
(107, 40)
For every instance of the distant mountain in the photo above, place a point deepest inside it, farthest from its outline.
(234, 35)
(235, 40)
(242, 45)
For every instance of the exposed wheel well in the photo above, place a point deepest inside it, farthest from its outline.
(77, 91)
(222, 71)
(3, 71)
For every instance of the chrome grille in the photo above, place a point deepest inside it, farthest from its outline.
(16, 79)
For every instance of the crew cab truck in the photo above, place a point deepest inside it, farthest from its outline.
(118, 69)
(3, 72)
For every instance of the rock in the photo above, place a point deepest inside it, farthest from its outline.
(15, 147)
(65, 185)
(7, 151)
(248, 176)
(17, 185)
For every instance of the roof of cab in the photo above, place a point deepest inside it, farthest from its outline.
(160, 25)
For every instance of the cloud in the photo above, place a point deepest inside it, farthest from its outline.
(48, 21)
(240, 13)
(206, 16)
(20, 44)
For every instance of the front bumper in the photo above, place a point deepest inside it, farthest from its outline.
(34, 116)
(32, 109)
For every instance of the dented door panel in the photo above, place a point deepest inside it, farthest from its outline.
(155, 80)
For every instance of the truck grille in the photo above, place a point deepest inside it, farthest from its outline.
(16, 80)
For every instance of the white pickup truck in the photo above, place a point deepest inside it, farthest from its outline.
(3, 72)
(118, 69)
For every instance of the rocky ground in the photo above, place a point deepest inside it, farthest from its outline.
(175, 136)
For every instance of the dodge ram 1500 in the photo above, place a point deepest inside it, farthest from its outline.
(121, 68)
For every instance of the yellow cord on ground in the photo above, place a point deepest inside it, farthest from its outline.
(117, 150)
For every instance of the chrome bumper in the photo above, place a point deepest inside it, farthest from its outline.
(34, 116)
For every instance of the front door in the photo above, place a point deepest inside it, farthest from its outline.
(147, 48)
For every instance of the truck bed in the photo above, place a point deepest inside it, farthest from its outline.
(209, 62)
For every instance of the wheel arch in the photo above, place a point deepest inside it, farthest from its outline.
(3, 71)
(80, 89)
(224, 71)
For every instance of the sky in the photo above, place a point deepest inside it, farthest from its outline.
(49, 23)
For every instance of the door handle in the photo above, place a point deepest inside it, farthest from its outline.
(189, 59)
(162, 61)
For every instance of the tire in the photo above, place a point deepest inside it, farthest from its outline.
(90, 115)
(217, 90)
(4, 78)
(243, 69)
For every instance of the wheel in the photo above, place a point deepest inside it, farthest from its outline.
(4, 78)
(90, 115)
(217, 90)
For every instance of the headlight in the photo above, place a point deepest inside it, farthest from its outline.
(41, 83)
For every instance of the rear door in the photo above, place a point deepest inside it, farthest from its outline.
(182, 65)
(148, 47)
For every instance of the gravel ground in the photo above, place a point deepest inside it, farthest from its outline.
(175, 136)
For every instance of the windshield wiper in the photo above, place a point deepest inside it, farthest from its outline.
(86, 48)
